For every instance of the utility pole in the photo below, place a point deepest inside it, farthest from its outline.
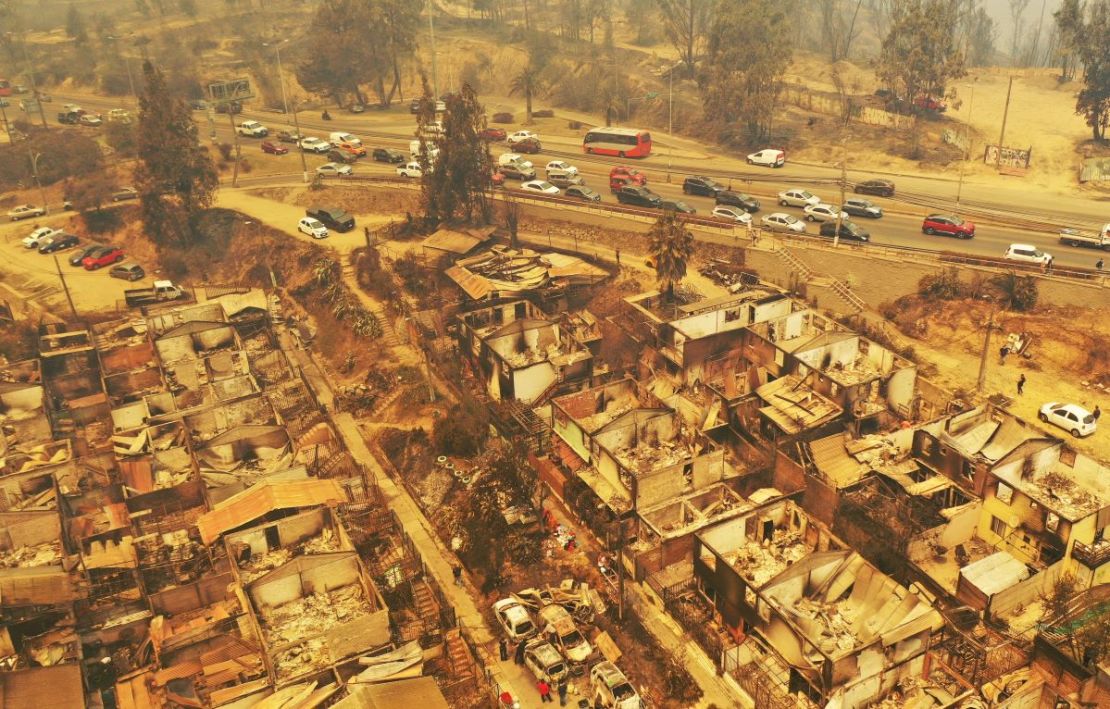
(1005, 115)
(620, 564)
(297, 130)
(35, 172)
(432, 34)
(281, 76)
(967, 146)
(984, 354)
(31, 78)
(7, 126)
(234, 132)
(670, 119)
(843, 183)
(65, 287)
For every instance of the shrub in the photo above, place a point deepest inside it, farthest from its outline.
(944, 285)
(225, 151)
(502, 118)
(1016, 292)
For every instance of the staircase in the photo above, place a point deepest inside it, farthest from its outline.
(458, 655)
(389, 335)
(804, 273)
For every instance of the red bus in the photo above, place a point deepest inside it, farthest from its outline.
(5, 87)
(622, 142)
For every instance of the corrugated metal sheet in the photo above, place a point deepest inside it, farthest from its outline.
(265, 497)
(832, 459)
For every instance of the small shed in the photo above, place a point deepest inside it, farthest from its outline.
(456, 244)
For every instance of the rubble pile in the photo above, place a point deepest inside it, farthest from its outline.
(323, 543)
(27, 557)
(313, 614)
(645, 458)
(828, 625)
(305, 657)
(265, 564)
(762, 561)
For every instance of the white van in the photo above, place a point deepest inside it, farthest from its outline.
(1028, 254)
(511, 158)
(416, 149)
(341, 137)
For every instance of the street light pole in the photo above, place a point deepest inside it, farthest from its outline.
(843, 184)
(432, 34)
(967, 147)
(297, 130)
(670, 119)
(35, 172)
(281, 76)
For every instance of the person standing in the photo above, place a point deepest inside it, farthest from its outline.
(618, 257)
(1096, 413)
(545, 691)
(1021, 383)
(518, 656)
(503, 647)
(457, 571)
(1099, 264)
(563, 692)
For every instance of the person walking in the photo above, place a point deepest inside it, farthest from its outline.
(1021, 383)
(503, 646)
(457, 571)
(518, 656)
(562, 692)
(618, 257)
(1099, 264)
(1097, 412)
(545, 691)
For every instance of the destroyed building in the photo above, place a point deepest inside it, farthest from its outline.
(554, 279)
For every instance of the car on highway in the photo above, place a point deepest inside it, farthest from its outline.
(315, 145)
(128, 272)
(859, 207)
(514, 619)
(332, 217)
(492, 134)
(1027, 254)
(343, 137)
(630, 174)
(561, 180)
(119, 115)
(58, 242)
(521, 136)
(312, 227)
(92, 120)
(332, 169)
(198, 105)
(252, 129)
(351, 149)
(287, 136)
(387, 155)
(823, 212)
(410, 169)
(25, 211)
(125, 193)
(638, 196)
(104, 256)
(561, 166)
(582, 192)
(798, 198)
(738, 199)
(540, 186)
(879, 188)
(517, 171)
(269, 146)
(337, 155)
(32, 240)
(1073, 418)
(509, 158)
(231, 107)
(702, 186)
(848, 230)
(777, 221)
(677, 206)
(78, 257)
(732, 214)
(948, 225)
(610, 689)
(530, 146)
(544, 661)
(768, 157)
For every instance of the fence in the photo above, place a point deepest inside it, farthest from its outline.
(695, 616)
(850, 105)
(1007, 157)
(757, 683)
(1094, 170)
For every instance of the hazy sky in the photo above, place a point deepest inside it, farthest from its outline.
(1000, 11)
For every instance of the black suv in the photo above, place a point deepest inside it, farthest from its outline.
(704, 186)
(332, 217)
(848, 230)
(341, 156)
(638, 196)
(388, 155)
(738, 199)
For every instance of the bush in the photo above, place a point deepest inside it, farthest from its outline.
(1016, 292)
(945, 285)
(545, 113)
(502, 118)
(225, 151)
(462, 432)
(65, 153)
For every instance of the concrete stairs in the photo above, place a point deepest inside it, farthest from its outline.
(458, 655)
(806, 275)
(389, 335)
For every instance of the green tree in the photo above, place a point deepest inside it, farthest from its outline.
(1069, 25)
(685, 22)
(741, 80)
(75, 25)
(527, 83)
(175, 177)
(919, 54)
(456, 186)
(1093, 102)
(671, 246)
(90, 192)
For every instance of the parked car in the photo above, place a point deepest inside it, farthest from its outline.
(530, 146)
(948, 225)
(677, 206)
(610, 689)
(78, 257)
(343, 137)
(858, 207)
(104, 256)
(732, 214)
(1027, 254)
(769, 157)
(92, 120)
(544, 661)
(198, 105)
(848, 230)
(25, 211)
(332, 217)
(492, 134)
(269, 146)
(232, 107)
(880, 188)
(119, 115)
(388, 155)
(638, 196)
(778, 221)
(517, 171)
(1072, 418)
(738, 199)
(337, 155)
(410, 169)
(582, 192)
(331, 169)
(798, 198)
(560, 629)
(520, 136)
(69, 118)
(312, 227)
(929, 103)
(540, 186)
(515, 619)
(561, 166)
(356, 108)
(32, 240)
(128, 272)
(125, 193)
(315, 145)
(630, 174)
(58, 242)
(704, 186)
(823, 212)
(286, 136)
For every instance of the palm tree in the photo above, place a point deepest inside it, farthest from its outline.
(529, 83)
(671, 247)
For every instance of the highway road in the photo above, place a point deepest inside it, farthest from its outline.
(999, 223)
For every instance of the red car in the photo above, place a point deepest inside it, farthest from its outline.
(492, 134)
(106, 256)
(630, 174)
(269, 146)
(528, 145)
(497, 179)
(930, 104)
(949, 225)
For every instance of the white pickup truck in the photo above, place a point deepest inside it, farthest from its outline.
(1090, 239)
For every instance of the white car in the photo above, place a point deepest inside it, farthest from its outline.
(25, 211)
(544, 661)
(1072, 418)
(515, 619)
(798, 198)
(540, 186)
(410, 169)
(562, 166)
(342, 137)
(312, 228)
(252, 129)
(520, 136)
(568, 639)
(36, 237)
(824, 213)
(783, 222)
(511, 158)
(315, 145)
(611, 689)
(769, 157)
(1028, 254)
(333, 169)
(732, 214)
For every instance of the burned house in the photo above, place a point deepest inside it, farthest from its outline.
(554, 279)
